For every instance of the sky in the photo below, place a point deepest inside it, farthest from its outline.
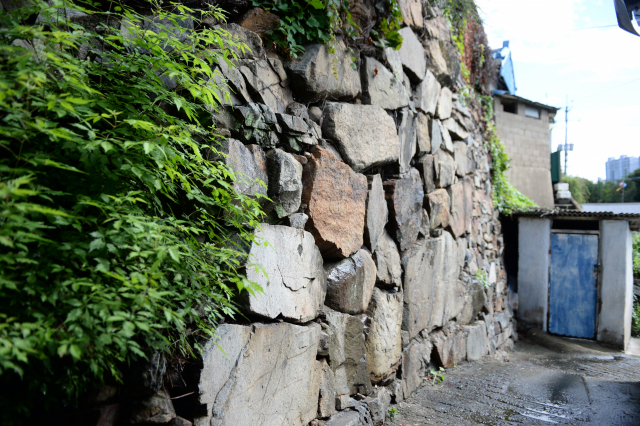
(557, 53)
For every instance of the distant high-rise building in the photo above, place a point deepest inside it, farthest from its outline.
(617, 169)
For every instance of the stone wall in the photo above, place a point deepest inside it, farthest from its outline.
(526, 140)
(381, 217)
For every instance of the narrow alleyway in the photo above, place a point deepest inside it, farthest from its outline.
(531, 386)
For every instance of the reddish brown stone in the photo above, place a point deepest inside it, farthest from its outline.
(259, 21)
(404, 200)
(335, 197)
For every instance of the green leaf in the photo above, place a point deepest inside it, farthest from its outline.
(316, 4)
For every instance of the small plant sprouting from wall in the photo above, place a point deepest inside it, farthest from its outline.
(478, 71)
(482, 277)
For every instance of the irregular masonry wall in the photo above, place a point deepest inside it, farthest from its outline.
(381, 218)
(395, 192)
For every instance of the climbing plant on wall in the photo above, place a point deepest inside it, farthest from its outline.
(118, 232)
(303, 22)
(478, 71)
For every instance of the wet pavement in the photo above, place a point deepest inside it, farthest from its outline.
(531, 386)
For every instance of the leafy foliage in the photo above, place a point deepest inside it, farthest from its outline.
(459, 12)
(307, 21)
(390, 27)
(482, 277)
(304, 22)
(586, 191)
(117, 226)
(636, 254)
(579, 188)
(436, 376)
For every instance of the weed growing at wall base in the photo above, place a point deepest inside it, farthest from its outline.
(116, 230)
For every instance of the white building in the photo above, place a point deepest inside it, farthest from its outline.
(617, 169)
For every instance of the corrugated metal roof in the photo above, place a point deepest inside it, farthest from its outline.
(612, 207)
(633, 218)
(576, 213)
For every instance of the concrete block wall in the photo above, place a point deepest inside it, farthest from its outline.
(526, 141)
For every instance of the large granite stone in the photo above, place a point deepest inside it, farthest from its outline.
(426, 94)
(384, 342)
(412, 55)
(461, 207)
(345, 418)
(428, 173)
(464, 159)
(415, 364)
(450, 349)
(269, 82)
(259, 21)
(335, 197)
(437, 140)
(266, 375)
(423, 134)
(347, 356)
(456, 130)
(240, 35)
(380, 87)
(248, 166)
(432, 292)
(285, 182)
(376, 214)
(404, 199)
(326, 398)
(294, 285)
(475, 336)
(447, 142)
(411, 11)
(438, 27)
(473, 302)
(445, 104)
(387, 260)
(364, 134)
(439, 203)
(444, 61)
(392, 57)
(235, 85)
(154, 409)
(408, 138)
(319, 74)
(256, 124)
(350, 283)
(445, 168)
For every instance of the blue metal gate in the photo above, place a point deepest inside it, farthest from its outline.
(572, 286)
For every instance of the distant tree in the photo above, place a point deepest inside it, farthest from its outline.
(579, 188)
(610, 192)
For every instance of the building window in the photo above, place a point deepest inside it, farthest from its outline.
(532, 112)
(509, 106)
